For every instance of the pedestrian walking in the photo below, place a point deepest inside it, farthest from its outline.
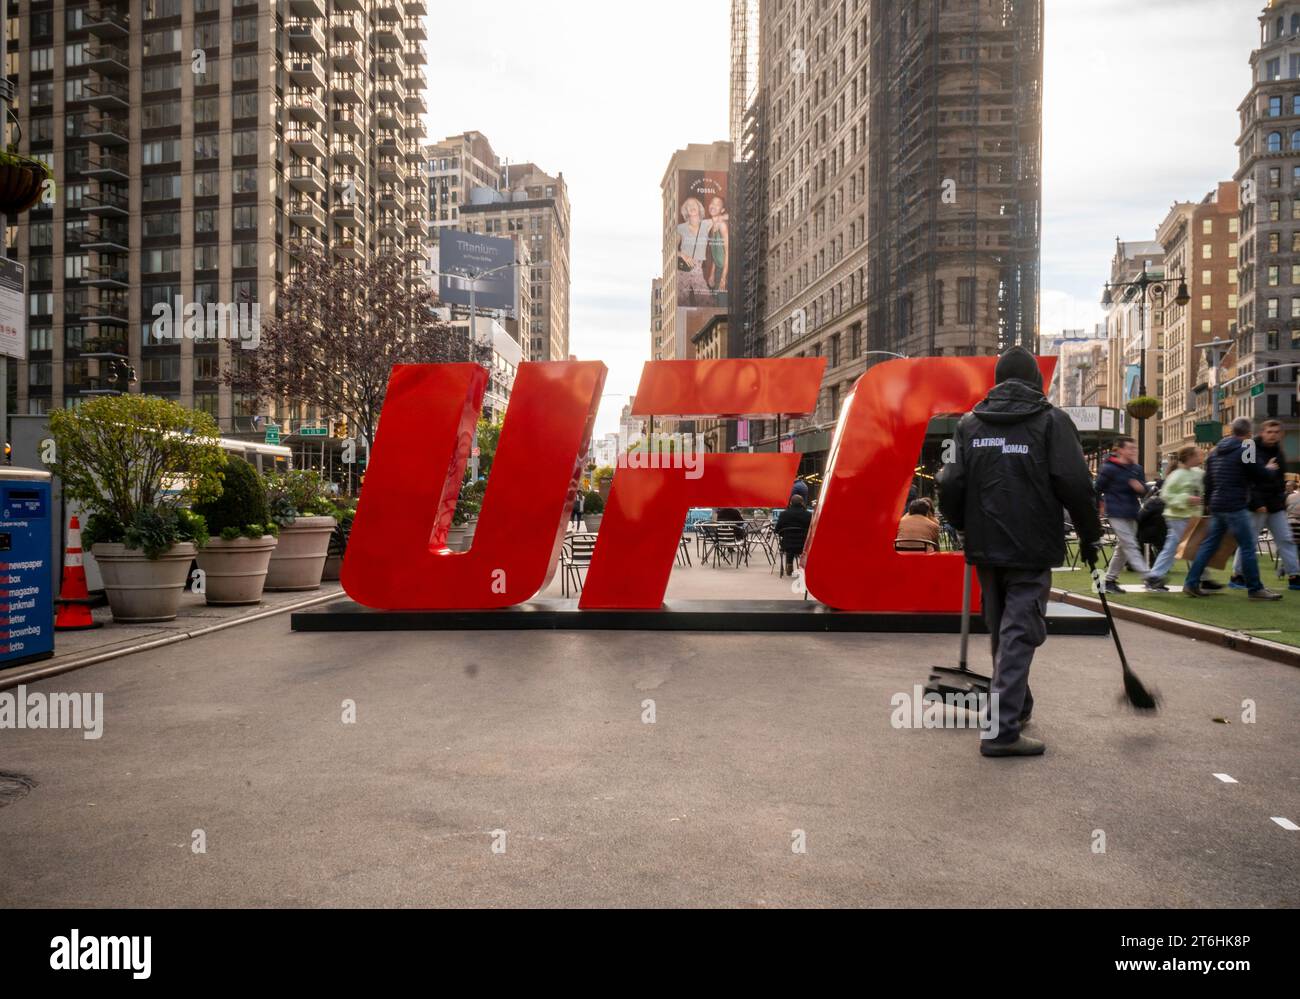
(1230, 472)
(577, 511)
(1017, 466)
(1268, 507)
(1120, 483)
(1184, 484)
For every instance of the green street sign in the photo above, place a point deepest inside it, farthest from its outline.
(1209, 432)
(1256, 390)
(314, 431)
(1223, 394)
(272, 435)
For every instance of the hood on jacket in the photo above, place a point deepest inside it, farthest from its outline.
(1229, 444)
(1012, 401)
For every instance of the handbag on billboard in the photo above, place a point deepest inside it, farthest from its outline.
(1196, 533)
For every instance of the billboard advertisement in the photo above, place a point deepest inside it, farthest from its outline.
(703, 239)
(464, 256)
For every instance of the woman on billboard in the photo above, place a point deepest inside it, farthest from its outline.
(719, 250)
(692, 248)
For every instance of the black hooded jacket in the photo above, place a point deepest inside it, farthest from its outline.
(1015, 465)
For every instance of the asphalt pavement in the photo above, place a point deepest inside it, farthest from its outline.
(523, 768)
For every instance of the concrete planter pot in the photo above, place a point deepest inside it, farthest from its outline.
(298, 561)
(592, 520)
(141, 589)
(333, 568)
(456, 537)
(471, 526)
(235, 571)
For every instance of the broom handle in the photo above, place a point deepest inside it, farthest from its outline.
(1105, 605)
(965, 615)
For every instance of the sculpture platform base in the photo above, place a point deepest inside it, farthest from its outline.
(675, 615)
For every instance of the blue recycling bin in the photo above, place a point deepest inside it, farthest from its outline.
(26, 576)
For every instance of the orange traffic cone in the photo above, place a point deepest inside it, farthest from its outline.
(74, 599)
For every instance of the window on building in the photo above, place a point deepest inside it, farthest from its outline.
(965, 300)
(1274, 142)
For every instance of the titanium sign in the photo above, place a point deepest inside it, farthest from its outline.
(463, 255)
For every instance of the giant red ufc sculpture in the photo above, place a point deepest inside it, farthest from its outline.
(397, 558)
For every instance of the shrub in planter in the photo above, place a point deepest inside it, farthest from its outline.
(236, 558)
(21, 180)
(593, 510)
(134, 462)
(464, 519)
(302, 507)
(338, 546)
(1143, 407)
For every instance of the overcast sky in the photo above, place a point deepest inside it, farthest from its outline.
(1140, 111)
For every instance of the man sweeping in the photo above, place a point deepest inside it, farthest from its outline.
(1017, 466)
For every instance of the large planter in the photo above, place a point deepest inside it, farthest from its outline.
(592, 520)
(235, 571)
(298, 561)
(471, 526)
(333, 568)
(20, 186)
(456, 537)
(141, 589)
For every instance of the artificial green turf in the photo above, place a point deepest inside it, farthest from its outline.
(1277, 621)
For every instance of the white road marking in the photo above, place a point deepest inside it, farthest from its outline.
(1286, 823)
(1226, 779)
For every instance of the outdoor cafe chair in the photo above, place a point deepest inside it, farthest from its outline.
(575, 556)
(915, 545)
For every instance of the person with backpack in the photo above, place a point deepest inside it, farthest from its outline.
(1230, 472)
(1268, 506)
(1182, 498)
(1017, 465)
(1120, 483)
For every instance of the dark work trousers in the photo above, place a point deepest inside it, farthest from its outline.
(1015, 608)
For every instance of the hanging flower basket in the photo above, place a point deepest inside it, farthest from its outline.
(1143, 407)
(21, 179)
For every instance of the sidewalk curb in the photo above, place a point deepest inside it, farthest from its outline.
(46, 669)
(1237, 641)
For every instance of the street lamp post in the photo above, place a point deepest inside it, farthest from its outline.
(1143, 285)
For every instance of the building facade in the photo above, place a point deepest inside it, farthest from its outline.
(1134, 331)
(890, 154)
(199, 148)
(1267, 336)
(1200, 247)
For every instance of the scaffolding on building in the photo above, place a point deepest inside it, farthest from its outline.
(955, 168)
(749, 181)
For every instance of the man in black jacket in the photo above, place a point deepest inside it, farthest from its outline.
(1268, 505)
(1017, 465)
(792, 530)
(1231, 471)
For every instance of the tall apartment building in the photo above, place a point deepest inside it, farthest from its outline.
(1200, 247)
(890, 154)
(1135, 331)
(200, 147)
(534, 210)
(471, 189)
(1268, 315)
(459, 163)
(696, 227)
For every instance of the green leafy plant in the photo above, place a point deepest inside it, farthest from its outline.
(130, 460)
(469, 503)
(603, 474)
(300, 493)
(1143, 407)
(241, 506)
(157, 530)
(592, 502)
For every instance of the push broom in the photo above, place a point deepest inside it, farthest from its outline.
(1135, 691)
(945, 680)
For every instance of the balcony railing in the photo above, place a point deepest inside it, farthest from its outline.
(107, 130)
(110, 60)
(306, 36)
